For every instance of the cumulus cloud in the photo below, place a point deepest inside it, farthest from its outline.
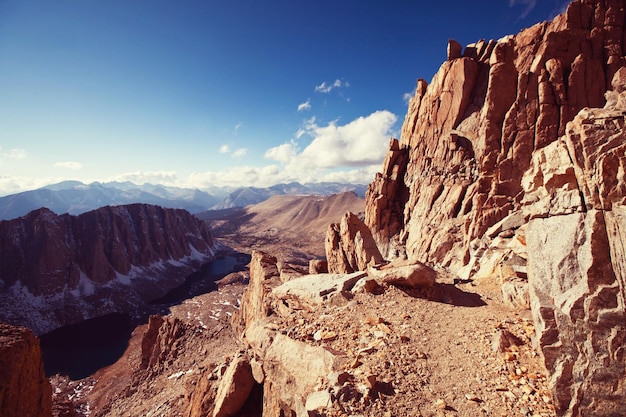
(325, 87)
(351, 152)
(361, 142)
(305, 106)
(14, 154)
(68, 165)
(239, 153)
(528, 6)
(283, 153)
(224, 149)
(406, 97)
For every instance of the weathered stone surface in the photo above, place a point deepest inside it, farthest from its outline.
(404, 274)
(576, 265)
(577, 299)
(160, 341)
(318, 401)
(311, 290)
(350, 246)
(318, 266)
(55, 270)
(455, 50)
(386, 197)
(24, 388)
(289, 370)
(234, 388)
(254, 304)
(292, 369)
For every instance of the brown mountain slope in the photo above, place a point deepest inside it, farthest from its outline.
(290, 227)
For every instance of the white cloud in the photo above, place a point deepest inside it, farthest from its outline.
(299, 133)
(238, 126)
(406, 97)
(361, 142)
(239, 153)
(325, 87)
(224, 149)
(240, 176)
(14, 154)
(68, 165)
(12, 185)
(352, 152)
(149, 177)
(305, 106)
(283, 153)
(529, 5)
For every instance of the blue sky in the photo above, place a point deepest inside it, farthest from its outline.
(211, 93)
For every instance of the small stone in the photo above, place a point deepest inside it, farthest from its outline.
(318, 400)
(472, 397)
(368, 349)
(324, 335)
(440, 404)
(384, 328)
(356, 363)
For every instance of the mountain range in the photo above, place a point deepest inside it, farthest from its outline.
(74, 197)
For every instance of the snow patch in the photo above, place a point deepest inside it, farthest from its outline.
(180, 373)
(85, 286)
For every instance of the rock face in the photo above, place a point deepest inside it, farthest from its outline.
(350, 246)
(577, 262)
(510, 168)
(56, 270)
(471, 133)
(24, 389)
(289, 370)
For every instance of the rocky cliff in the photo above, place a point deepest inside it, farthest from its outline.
(56, 270)
(24, 389)
(510, 168)
(470, 134)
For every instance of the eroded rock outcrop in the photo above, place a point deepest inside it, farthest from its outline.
(471, 133)
(350, 246)
(56, 270)
(24, 389)
(510, 168)
(288, 369)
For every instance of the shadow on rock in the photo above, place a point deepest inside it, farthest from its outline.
(447, 294)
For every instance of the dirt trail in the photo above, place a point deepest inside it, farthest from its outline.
(431, 353)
